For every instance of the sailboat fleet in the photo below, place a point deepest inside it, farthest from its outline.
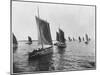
(45, 40)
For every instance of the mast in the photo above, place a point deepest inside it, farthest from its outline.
(38, 13)
(40, 29)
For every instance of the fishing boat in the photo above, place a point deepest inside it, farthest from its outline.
(73, 39)
(83, 38)
(15, 43)
(44, 39)
(69, 39)
(57, 38)
(29, 40)
(87, 39)
(60, 39)
(79, 39)
(14, 40)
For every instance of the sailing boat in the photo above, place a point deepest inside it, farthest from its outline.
(83, 38)
(79, 39)
(44, 39)
(14, 40)
(87, 39)
(69, 39)
(15, 43)
(29, 40)
(73, 39)
(60, 39)
(57, 38)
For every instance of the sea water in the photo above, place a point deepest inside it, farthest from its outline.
(76, 56)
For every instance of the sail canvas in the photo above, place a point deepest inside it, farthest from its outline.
(44, 28)
(57, 36)
(14, 40)
(61, 36)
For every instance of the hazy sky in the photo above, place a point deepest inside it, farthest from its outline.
(74, 20)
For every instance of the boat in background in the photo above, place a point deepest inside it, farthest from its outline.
(29, 40)
(83, 39)
(69, 39)
(87, 39)
(79, 39)
(73, 39)
(60, 39)
(44, 39)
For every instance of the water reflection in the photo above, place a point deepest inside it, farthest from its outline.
(75, 57)
(42, 63)
(15, 46)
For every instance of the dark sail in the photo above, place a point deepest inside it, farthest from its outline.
(44, 35)
(79, 39)
(69, 39)
(15, 43)
(61, 36)
(57, 36)
(14, 40)
(73, 39)
(87, 38)
(29, 39)
(83, 38)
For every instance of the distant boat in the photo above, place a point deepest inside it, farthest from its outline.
(79, 39)
(69, 39)
(83, 39)
(44, 39)
(87, 39)
(73, 39)
(60, 39)
(15, 43)
(29, 40)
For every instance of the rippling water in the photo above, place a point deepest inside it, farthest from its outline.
(76, 56)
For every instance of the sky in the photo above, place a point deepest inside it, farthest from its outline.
(74, 20)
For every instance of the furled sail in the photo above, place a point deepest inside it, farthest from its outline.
(61, 36)
(44, 35)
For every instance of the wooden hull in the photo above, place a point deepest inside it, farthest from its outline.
(40, 52)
